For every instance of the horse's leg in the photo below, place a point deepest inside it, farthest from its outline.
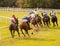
(47, 24)
(57, 23)
(53, 24)
(36, 27)
(18, 32)
(22, 32)
(27, 32)
(44, 23)
(40, 23)
(11, 33)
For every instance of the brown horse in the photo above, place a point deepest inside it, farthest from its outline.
(24, 26)
(13, 28)
(38, 20)
(34, 22)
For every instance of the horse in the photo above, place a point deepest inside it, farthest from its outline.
(35, 22)
(13, 28)
(46, 20)
(54, 20)
(38, 20)
(24, 26)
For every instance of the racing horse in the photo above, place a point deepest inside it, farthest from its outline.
(13, 28)
(24, 26)
(35, 22)
(46, 20)
(54, 20)
(38, 20)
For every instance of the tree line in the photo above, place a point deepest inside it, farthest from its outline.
(30, 3)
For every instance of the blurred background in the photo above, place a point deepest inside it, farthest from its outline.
(31, 3)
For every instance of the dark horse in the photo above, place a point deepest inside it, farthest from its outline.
(46, 20)
(54, 19)
(24, 26)
(13, 28)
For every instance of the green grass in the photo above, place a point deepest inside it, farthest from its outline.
(45, 37)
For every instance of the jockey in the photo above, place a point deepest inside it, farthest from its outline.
(36, 12)
(25, 19)
(31, 12)
(13, 19)
(32, 15)
(52, 13)
(44, 13)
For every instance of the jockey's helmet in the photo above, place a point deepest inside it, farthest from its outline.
(13, 15)
(25, 16)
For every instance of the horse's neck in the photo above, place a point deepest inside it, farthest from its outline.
(17, 21)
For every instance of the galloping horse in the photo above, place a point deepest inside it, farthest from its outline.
(46, 20)
(24, 26)
(13, 28)
(38, 20)
(35, 22)
(54, 19)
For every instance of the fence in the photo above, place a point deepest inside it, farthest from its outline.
(24, 9)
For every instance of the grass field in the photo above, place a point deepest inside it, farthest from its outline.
(45, 37)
